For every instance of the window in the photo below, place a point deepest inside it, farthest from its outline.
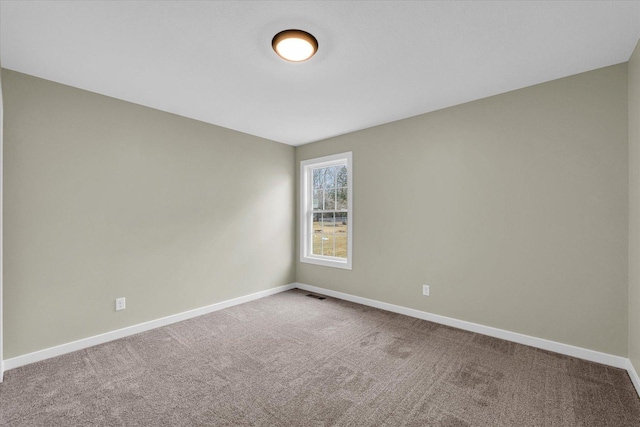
(325, 211)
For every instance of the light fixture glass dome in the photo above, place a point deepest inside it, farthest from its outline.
(294, 45)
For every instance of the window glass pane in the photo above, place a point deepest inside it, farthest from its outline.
(341, 233)
(317, 199)
(317, 223)
(330, 177)
(327, 244)
(341, 179)
(328, 223)
(318, 178)
(341, 245)
(316, 234)
(342, 218)
(316, 240)
(341, 198)
(330, 198)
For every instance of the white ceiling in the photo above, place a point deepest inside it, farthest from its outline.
(377, 61)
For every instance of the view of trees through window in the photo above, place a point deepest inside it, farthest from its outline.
(330, 211)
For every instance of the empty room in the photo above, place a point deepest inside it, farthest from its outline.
(320, 213)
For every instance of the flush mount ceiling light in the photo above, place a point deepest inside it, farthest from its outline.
(294, 45)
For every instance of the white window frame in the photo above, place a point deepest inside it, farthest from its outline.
(306, 210)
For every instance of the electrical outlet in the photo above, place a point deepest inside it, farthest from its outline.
(120, 304)
(425, 290)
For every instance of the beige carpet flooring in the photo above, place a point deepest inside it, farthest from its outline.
(293, 360)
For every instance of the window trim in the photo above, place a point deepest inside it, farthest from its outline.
(306, 192)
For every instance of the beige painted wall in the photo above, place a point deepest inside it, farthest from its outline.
(513, 208)
(634, 208)
(107, 199)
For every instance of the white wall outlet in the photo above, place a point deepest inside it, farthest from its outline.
(425, 290)
(120, 304)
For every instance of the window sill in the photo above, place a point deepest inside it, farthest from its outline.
(345, 265)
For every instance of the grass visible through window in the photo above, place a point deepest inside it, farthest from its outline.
(330, 238)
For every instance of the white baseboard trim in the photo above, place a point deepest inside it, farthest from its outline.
(48, 353)
(635, 379)
(566, 349)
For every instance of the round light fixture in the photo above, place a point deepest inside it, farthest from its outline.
(294, 45)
